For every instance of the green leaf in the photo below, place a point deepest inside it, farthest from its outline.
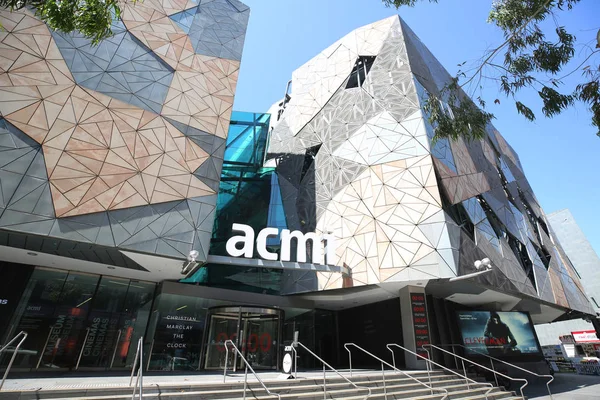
(525, 111)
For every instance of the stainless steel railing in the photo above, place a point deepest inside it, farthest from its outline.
(428, 360)
(112, 360)
(15, 351)
(456, 356)
(431, 388)
(44, 348)
(138, 362)
(238, 352)
(87, 333)
(334, 370)
(492, 359)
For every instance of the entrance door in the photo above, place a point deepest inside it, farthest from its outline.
(254, 331)
(222, 328)
(260, 339)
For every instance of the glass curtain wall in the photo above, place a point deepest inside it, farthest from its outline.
(248, 194)
(245, 187)
(317, 330)
(78, 321)
(188, 333)
(176, 332)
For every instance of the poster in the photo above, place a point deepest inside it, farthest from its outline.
(498, 334)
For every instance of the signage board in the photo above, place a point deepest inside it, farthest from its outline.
(420, 322)
(287, 365)
(498, 334)
(585, 336)
(243, 245)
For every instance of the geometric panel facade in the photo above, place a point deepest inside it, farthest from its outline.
(358, 160)
(25, 200)
(216, 27)
(133, 123)
(120, 67)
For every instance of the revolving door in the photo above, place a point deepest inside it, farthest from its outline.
(256, 331)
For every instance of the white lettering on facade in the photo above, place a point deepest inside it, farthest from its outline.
(261, 243)
(181, 318)
(247, 244)
(247, 240)
(177, 345)
(180, 327)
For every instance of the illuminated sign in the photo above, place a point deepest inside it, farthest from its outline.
(420, 322)
(498, 333)
(243, 245)
(585, 337)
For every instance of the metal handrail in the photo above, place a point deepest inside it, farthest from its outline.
(336, 371)
(431, 388)
(87, 333)
(481, 366)
(112, 360)
(507, 363)
(16, 350)
(139, 377)
(468, 380)
(237, 351)
(37, 366)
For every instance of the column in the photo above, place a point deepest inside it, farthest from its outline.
(415, 324)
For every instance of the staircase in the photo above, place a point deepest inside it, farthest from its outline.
(397, 386)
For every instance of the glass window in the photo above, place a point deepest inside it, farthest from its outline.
(69, 325)
(133, 321)
(36, 313)
(103, 321)
(53, 310)
(15, 278)
(177, 328)
(68, 315)
(118, 317)
(359, 72)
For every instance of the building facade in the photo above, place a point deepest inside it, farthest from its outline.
(587, 264)
(135, 206)
(580, 252)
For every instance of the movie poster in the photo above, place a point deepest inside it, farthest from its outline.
(498, 334)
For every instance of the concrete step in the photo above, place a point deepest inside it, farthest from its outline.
(290, 388)
(397, 386)
(363, 379)
(467, 395)
(455, 391)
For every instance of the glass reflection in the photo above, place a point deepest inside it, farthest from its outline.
(78, 321)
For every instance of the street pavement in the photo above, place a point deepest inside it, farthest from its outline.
(567, 387)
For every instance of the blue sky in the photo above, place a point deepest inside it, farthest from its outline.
(559, 155)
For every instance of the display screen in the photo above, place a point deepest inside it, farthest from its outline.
(498, 334)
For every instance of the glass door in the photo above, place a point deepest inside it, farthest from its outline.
(222, 328)
(260, 341)
(255, 332)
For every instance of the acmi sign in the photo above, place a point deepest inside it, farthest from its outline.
(243, 245)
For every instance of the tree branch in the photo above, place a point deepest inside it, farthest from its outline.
(576, 69)
(515, 33)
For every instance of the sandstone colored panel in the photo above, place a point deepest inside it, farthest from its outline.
(108, 146)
